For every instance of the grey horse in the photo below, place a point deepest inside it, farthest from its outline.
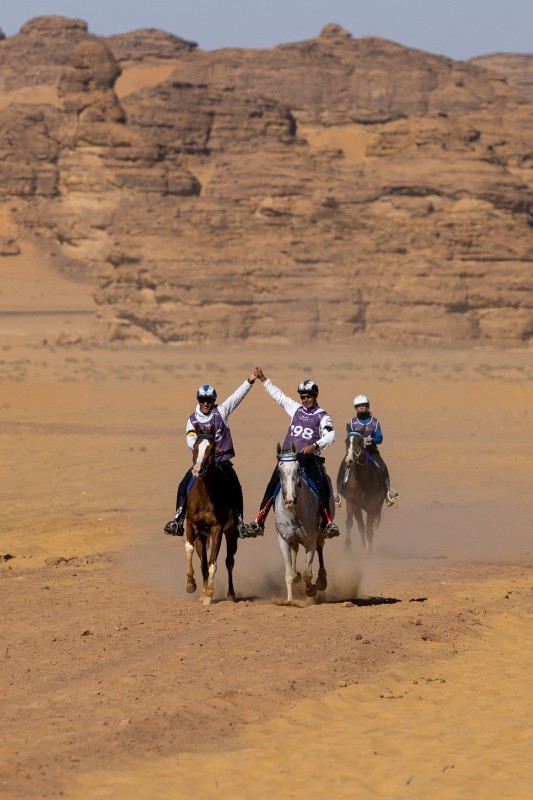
(298, 520)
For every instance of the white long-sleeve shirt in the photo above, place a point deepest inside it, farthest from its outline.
(327, 437)
(224, 409)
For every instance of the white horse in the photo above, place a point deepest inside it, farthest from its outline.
(298, 523)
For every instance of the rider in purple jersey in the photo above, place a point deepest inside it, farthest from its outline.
(311, 430)
(207, 414)
(370, 428)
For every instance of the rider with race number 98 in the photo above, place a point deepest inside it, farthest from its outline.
(311, 430)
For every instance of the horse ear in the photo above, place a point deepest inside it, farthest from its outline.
(278, 449)
(197, 429)
(293, 448)
(348, 427)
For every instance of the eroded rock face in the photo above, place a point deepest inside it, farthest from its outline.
(335, 79)
(516, 68)
(39, 52)
(329, 189)
(146, 44)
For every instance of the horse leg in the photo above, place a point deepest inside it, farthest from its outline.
(216, 539)
(310, 587)
(322, 579)
(201, 549)
(349, 524)
(189, 550)
(370, 519)
(231, 547)
(289, 569)
(361, 525)
(294, 552)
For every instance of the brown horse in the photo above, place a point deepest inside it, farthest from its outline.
(361, 484)
(209, 517)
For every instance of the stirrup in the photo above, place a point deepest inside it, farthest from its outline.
(392, 496)
(174, 527)
(337, 498)
(252, 530)
(331, 530)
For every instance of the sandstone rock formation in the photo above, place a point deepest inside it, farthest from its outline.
(517, 68)
(334, 189)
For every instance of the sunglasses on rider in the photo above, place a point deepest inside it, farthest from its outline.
(203, 400)
(307, 397)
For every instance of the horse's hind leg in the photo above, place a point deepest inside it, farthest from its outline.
(322, 579)
(231, 545)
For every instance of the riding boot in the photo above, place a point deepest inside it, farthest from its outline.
(329, 527)
(176, 526)
(257, 527)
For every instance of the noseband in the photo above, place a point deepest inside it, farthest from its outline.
(211, 461)
(287, 458)
(358, 456)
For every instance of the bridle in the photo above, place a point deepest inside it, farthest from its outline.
(210, 462)
(287, 458)
(359, 455)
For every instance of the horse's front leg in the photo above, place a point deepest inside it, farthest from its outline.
(310, 587)
(297, 576)
(358, 514)
(322, 579)
(370, 521)
(190, 535)
(216, 539)
(290, 572)
(349, 524)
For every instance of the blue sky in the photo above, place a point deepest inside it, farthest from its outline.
(457, 28)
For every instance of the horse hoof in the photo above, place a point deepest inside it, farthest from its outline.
(297, 578)
(191, 587)
(321, 583)
(206, 601)
(231, 596)
(310, 590)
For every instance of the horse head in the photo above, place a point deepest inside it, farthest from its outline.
(355, 447)
(203, 454)
(289, 475)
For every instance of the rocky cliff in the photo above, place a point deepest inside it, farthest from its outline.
(334, 189)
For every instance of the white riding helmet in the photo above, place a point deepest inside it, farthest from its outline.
(308, 386)
(361, 400)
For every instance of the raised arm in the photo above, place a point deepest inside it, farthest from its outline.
(276, 394)
(237, 397)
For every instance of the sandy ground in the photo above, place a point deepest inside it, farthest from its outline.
(412, 679)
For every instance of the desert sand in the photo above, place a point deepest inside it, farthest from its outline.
(411, 679)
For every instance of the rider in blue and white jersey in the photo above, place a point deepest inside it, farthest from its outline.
(311, 430)
(370, 428)
(208, 413)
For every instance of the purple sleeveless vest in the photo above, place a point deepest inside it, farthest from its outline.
(222, 433)
(366, 428)
(304, 428)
